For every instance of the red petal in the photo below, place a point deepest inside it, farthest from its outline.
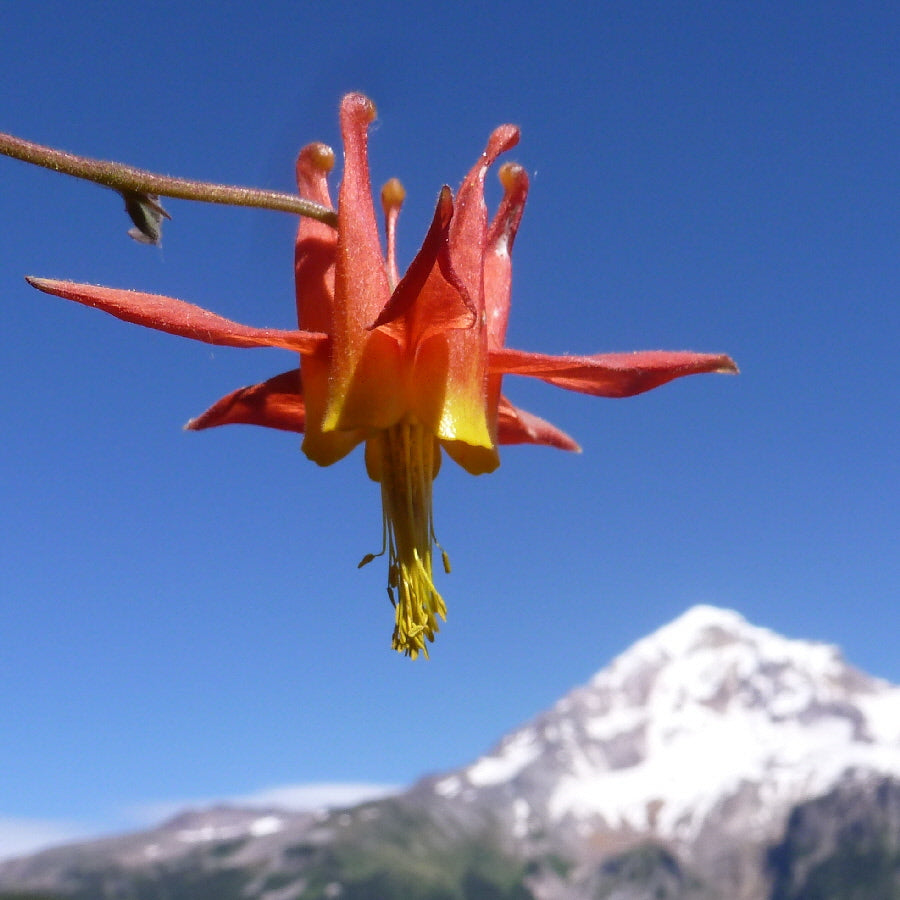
(470, 400)
(362, 288)
(365, 366)
(314, 272)
(314, 253)
(468, 232)
(516, 426)
(497, 254)
(430, 295)
(609, 374)
(179, 318)
(276, 403)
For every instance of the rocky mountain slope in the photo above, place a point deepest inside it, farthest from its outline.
(713, 759)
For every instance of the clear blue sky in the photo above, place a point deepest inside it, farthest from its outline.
(181, 615)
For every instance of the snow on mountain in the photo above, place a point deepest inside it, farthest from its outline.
(708, 719)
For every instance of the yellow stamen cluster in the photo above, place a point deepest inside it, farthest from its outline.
(405, 458)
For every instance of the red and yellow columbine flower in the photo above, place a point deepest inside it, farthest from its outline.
(410, 366)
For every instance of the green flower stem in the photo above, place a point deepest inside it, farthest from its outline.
(127, 179)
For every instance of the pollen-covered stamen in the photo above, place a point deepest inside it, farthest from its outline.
(405, 459)
(392, 197)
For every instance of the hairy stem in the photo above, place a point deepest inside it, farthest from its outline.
(130, 180)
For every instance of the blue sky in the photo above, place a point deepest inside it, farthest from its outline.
(181, 616)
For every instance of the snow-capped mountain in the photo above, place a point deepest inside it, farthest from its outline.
(711, 760)
(705, 710)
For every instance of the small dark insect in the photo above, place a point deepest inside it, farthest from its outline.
(147, 213)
